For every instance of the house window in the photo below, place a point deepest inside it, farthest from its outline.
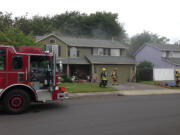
(52, 41)
(53, 48)
(2, 59)
(176, 54)
(73, 51)
(115, 52)
(98, 51)
(17, 62)
(169, 54)
(2, 62)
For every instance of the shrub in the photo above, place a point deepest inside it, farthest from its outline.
(144, 71)
(66, 78)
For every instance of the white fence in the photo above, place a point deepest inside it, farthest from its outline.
(160, 74)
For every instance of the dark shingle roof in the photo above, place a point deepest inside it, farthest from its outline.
(84, 42)
(98, 60)
(73, 60)
(165, 47)
(175, 61)
(162, 47)
(110, 60)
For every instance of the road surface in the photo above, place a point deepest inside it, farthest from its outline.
(108, 115)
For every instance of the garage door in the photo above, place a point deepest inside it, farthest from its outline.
(123, 71)
(160, 74)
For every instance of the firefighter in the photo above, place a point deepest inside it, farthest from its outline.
(177, 76)
(104, 79)
(114, 77)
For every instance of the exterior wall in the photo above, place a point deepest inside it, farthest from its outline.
(83, 51)
(124, 71)
(163, 74)
(57, 42)
(153, 55)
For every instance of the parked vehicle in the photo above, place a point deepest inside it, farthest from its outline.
(28, 75)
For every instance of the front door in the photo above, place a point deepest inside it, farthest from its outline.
(17, 69)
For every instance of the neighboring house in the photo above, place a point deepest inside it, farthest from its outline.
(164, 57)
(86, 56)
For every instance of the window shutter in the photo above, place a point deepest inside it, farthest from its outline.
(49, 48)
(120, 52)
(68, 51)
(78, 53)
(109, 52)
(104, 51)
(59, 50)
(91, 51)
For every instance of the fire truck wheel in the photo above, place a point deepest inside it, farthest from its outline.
(16, 101)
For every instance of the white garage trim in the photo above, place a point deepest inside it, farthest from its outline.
(163, 74)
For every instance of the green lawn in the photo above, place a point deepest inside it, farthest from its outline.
(148, 82)
(85, 87)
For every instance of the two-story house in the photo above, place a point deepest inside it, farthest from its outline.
(86, 56)
(164, 57)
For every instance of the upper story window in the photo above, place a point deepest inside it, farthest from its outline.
(17, 62)
(2, 59)
(52, 41)
(115, 52)
(176, 54)
(168, 54)
(54, 48)
(73, 52)
(98, 51)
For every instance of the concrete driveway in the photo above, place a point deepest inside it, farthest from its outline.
(137, 86)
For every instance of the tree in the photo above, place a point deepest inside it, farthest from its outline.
(138, 40)
(5, 20)
(38, 25)
(95, 25)
(98, 25)
(14, 36)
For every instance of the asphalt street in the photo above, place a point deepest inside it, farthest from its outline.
(108, 115)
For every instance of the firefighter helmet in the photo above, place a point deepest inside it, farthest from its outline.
(115, 69)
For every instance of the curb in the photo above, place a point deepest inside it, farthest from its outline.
(125, 93)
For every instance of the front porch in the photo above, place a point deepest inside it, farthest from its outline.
(78, 71)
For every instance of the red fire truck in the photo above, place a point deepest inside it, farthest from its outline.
(28, 75)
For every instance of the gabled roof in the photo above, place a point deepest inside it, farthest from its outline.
(84, 42)
(165, 47)
(161, 47)
(110, 60)
(175, 61)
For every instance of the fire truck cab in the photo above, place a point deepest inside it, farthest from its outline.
(28, 75)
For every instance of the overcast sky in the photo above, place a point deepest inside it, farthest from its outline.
(157, 16)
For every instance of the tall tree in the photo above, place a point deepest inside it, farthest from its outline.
(98, 25)
(14, 36)
(5, 20)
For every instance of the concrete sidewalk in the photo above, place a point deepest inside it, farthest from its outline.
(125, 93)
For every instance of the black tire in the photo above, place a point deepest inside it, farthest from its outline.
(16, 101)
